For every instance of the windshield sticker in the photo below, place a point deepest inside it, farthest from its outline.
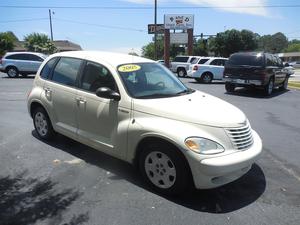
(129, 68)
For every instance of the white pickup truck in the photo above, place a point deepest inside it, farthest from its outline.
(181, 64)
(207, 69)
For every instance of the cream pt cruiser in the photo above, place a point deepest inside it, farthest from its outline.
(138, 111)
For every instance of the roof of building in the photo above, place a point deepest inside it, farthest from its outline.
(61, 45)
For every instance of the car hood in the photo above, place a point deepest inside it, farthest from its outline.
(197, 107)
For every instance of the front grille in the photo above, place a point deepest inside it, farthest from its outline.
(241, 137)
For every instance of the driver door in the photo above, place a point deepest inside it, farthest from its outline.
(102, 123)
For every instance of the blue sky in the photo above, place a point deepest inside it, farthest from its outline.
(121, 30)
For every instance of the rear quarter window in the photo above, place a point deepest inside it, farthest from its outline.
(45, 73)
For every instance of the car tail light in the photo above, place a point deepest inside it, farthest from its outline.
(195, 68)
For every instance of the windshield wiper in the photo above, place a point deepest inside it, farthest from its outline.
(157, 96)
(186, 91)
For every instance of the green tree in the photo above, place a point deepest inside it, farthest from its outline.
(39, 43)
(293, 47)
(273, 43)
(201, 47)
(7, 40)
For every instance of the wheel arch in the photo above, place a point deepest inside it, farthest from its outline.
(35, 104)
(163, 141)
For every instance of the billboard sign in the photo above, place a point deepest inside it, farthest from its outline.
(179, 22)
(178, 38)
(160, 28)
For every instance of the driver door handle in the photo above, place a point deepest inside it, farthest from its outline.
(80, 100)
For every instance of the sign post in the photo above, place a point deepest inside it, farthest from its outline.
(178, 22)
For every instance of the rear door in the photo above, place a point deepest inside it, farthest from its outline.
(34, 62)
(60, 92)
(217, 67)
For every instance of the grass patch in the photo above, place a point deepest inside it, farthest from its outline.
(294, 84)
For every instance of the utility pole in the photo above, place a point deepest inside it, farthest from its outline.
(50, 24)
(155, 30)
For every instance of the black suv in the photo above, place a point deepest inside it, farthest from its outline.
(255, 69)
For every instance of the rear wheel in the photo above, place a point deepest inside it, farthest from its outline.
(268, 89)
(42, 124)
(181, 72)
(206, 78)
(229, 87)
(164, 169)
(12, 72)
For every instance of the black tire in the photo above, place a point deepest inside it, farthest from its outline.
(42, 124)
(229, 87)
(206, 78)
(268, 89)
(285, 83)
(181, 72)
(12, 72)
(198, 80)
(182, 178)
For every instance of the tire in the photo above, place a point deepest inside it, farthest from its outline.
(164, 169)
(198, 80)
(181, 72)
(285, 84)
(206, 78)
(12, 72)
(229, 87)
(42, 124)
(268, 89)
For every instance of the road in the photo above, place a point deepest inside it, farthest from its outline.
(64, 182)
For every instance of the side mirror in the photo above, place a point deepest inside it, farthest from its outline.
(105, 92)
(286, 65)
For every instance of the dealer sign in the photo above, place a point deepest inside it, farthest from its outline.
(179, 22)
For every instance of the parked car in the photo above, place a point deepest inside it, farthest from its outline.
(136, 110)
(181, 64)
(288, 68)
(255, 69)
(24, 63)
(207, 69)
(161, 61)
(295, 64)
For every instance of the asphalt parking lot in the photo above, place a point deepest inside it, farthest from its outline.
(64, 182)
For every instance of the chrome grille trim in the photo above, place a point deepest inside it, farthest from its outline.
(241, 137)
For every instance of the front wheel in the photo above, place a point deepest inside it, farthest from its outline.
(164, 169)
(181, 72)
(229, 87)
(269, 87)
(285, 83)
(42, 124)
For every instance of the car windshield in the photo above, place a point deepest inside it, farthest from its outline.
(246, 60)
(151, 80)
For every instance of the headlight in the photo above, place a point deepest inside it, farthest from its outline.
(203, 146)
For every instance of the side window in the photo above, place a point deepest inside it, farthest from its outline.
(202, 61)
(12, 57)
(269, 60)
(34, 58)
(25, 57)
(222, 62)
(47, 68)
(96, 76)
(215, 62)
(66, 71)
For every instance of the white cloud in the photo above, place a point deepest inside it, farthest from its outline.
(259, 11)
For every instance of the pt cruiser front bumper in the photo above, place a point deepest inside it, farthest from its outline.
(220, 170)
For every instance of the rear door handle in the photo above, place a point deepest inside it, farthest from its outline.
(80, 100)
(47, 90)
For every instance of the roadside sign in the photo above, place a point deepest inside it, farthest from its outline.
(159, 28)
(179, 22)
(178, 38)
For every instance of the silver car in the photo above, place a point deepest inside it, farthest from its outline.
(24, 63)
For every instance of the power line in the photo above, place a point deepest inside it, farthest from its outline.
(22, 20)
(148, 7)
(98, 25)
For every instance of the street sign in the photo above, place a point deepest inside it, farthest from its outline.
(178, 38)
(179, 22)
(159, 28)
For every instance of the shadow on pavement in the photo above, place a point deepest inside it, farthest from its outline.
(255, 93)
(27, 201)
(224, 199)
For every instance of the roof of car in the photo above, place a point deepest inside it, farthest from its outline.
(12, 53)
(114, 59)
